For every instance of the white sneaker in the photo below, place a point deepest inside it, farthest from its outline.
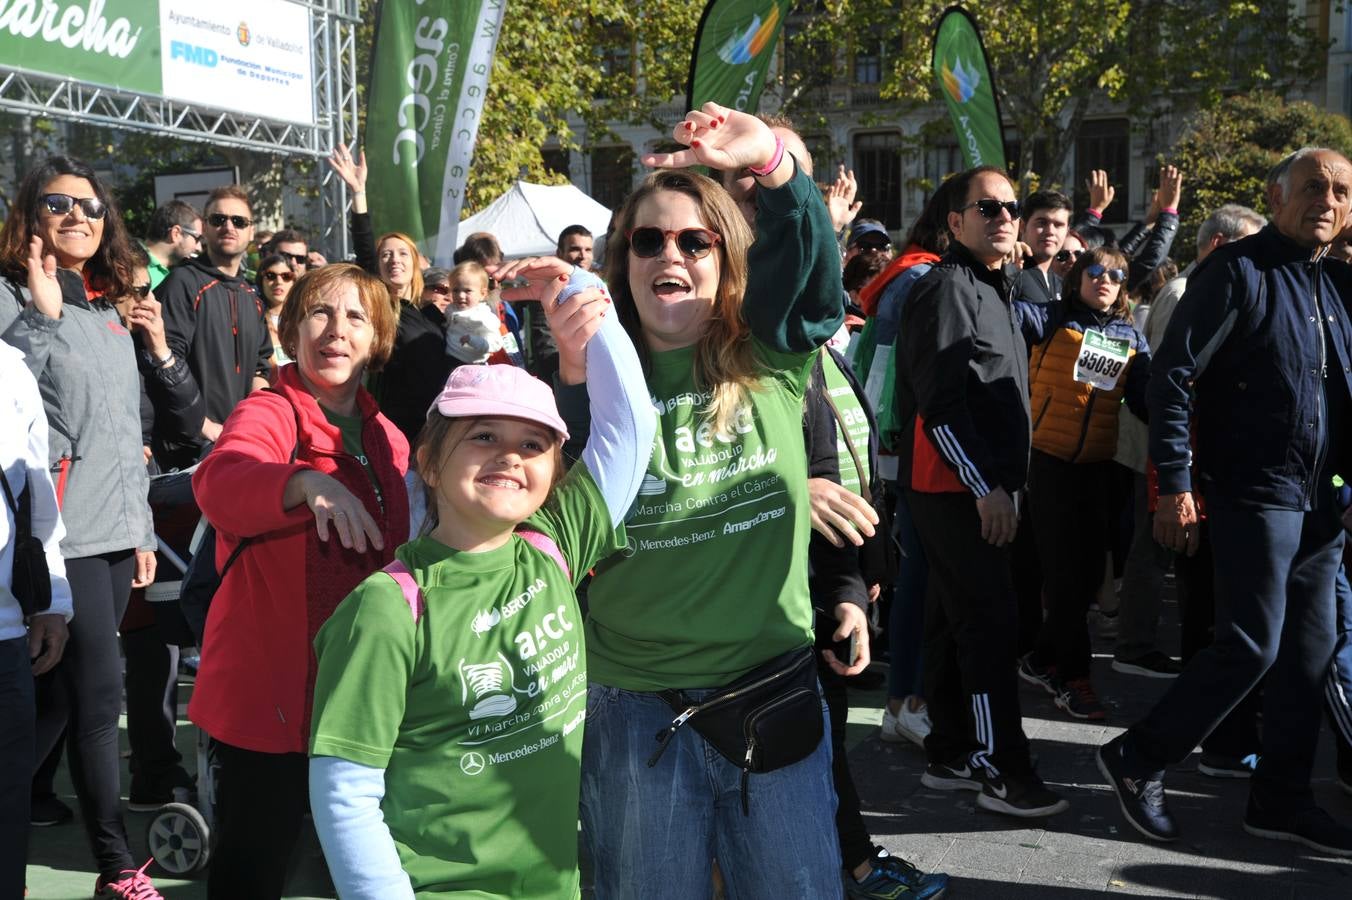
(906, 725)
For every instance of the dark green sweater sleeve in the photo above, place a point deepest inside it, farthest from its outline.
(794, 298)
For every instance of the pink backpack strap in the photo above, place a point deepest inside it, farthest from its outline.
(412, 593)
(545, 544)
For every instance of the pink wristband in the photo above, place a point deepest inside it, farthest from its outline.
(773, 163)
(1170, 210)
(1094, 212)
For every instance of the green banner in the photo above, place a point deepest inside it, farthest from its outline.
(733, 46)
(429, 75)
(965, 81)
(114, 43)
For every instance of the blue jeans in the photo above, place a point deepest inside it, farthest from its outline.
(1275, 571)
(906, 621)
(652, 832)
(1338, 689)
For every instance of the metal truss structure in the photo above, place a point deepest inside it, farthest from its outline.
(333, 34)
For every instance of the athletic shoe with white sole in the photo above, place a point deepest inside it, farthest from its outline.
(1024, 797)
(1215, 765)
(1312, 827)
(1149, 665)
(906, 725)
(1042, 676)
(960, 777)
(1140, 796)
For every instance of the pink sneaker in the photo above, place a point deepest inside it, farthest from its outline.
(131, 885)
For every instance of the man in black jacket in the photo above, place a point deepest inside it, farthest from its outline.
(212, 316)
(1255, 367)
(962, 390)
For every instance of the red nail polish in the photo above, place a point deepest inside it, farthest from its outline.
(563, 278)
(694, 143)
(713, 124)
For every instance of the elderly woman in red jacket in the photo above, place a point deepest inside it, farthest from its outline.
(309, 475)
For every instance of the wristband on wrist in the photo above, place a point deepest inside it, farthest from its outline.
(162, 361)
(773, 163)
(1170, 210)
(1094, 212)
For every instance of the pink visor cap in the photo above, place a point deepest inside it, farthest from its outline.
(499, 390)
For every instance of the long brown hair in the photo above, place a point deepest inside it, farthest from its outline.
(1109, 258)
(416, 285)
(110, 270)
(725, 359)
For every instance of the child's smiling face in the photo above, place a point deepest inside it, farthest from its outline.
(495, 476)
(468, 291)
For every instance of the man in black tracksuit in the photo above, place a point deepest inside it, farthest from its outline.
(212, 316)
(962, 390)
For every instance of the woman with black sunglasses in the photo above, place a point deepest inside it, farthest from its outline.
(275, 278)
(714, 583)
(64, 256)
(1088, 358)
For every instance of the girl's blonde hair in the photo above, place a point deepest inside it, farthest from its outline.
(439, 438)
(415, 287)
(725, 361)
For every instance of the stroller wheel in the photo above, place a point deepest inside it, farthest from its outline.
(178, 838)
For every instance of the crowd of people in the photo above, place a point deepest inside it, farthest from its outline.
(509, 561)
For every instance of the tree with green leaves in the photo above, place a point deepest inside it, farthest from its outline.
(1226, 151)
(1057, 62)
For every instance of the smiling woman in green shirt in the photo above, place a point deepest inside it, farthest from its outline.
(714, 583)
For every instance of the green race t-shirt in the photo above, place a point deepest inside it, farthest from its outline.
(855, 424)
(475, 712)
(715, 579)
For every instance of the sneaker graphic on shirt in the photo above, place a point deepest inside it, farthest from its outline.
(487, 681)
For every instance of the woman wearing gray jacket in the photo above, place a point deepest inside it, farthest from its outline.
(64, 254)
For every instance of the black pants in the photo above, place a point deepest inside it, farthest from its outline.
(1072, 526)
(1027, 573)
(1237, 733)
(83, 696)
(855, 844)
(1274, 576)
(261, 802)
(152, 706)
(969, 638)
(18, 712)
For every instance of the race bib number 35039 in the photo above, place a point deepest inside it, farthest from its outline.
(1102, 360)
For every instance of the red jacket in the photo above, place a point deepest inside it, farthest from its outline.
(256, 679)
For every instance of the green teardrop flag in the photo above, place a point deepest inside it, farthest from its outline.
(733, 47)
(966, 84)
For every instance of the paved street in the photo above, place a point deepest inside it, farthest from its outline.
(1085, 852)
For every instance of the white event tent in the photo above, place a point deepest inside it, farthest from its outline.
(527, 219)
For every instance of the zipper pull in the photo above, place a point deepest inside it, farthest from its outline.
(746, 779)
(664, 736)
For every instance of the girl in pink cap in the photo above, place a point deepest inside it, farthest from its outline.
(447, 732)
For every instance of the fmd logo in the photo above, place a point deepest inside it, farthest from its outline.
(193, 55)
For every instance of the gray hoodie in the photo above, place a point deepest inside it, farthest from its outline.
(85, 365)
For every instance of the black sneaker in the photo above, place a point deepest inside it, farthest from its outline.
(1141, 798)
(1150, 665)
(1217, 765)
(1312, 827)
(1043, 677)
(1024, 796)
(47, 811)
(1076, 698)
(960, 777)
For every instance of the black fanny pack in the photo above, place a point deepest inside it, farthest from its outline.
(769, 718)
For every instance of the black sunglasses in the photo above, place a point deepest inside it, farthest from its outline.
(141, 290)
(218, 220)
(1063, 256)
(443, 289)
(990, 208)
(1098, 270)
(61, 204)
(297, 258)
(693, 243)
(285, 276)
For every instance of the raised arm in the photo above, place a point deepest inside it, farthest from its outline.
(353, 170)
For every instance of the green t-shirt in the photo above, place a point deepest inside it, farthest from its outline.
(157, 270)
(715, 580)
(475, 712)
(351, 427)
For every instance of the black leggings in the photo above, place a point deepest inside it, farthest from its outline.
(83, 696)
(261, 802)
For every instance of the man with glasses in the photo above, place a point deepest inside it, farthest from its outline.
(868, 236)
(962, 394)
(175, 234)
(1254, 377)
(212, 316)
(290, 243)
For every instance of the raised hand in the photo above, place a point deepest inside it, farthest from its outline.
(349, 168)
(1101, 193)
(1171, 188)
(42, 283)
(720, 138)
(840, 199)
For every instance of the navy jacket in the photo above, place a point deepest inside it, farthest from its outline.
(1260, 326)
